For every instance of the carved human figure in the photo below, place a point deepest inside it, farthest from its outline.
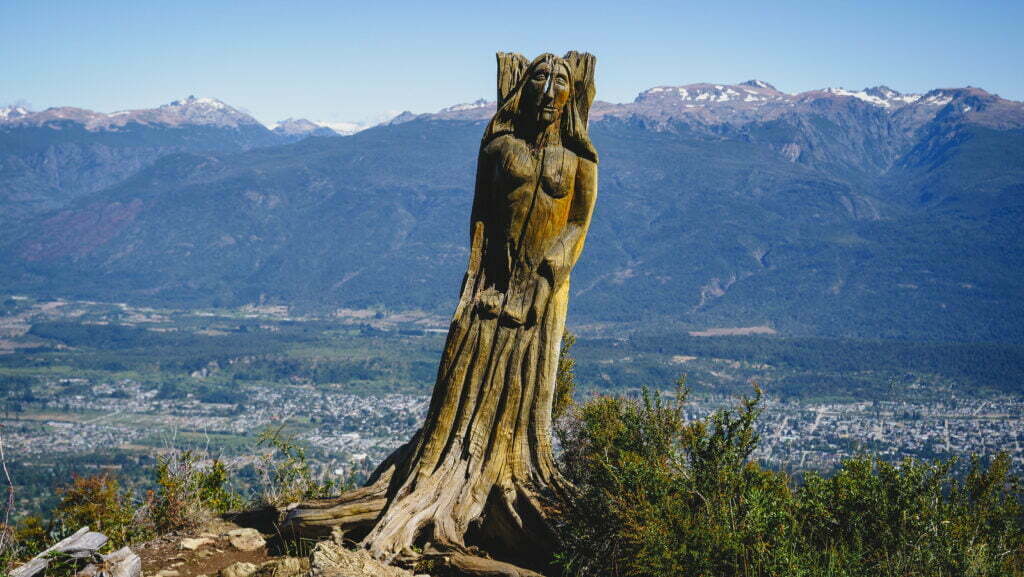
(481, 469)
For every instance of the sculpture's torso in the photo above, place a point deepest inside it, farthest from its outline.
(518, 200)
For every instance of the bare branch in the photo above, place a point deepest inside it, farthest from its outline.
(6, 538)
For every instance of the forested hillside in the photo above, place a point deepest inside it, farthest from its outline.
(828, 213)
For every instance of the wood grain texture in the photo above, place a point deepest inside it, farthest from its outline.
(480, 475)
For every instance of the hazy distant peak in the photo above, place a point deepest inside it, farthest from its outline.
(480, 109)
(973, 105)
(755, 83)
(882, 91)
(405, 116)
(943, 96)
(190, 111)
(302, 127)
(60, 113)
(481, 103)
(296, 122)
(339, 127)
(193, 102)
(343, 128)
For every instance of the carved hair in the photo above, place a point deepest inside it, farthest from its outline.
(513, 73)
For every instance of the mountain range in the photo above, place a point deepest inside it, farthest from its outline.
(869, 213)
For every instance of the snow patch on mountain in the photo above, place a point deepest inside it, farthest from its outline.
(193, 110)
(860, 95)
(936, 98)
(481, 103)
(752, 91)
(882, 96)
(344, 128)
(300, 127)
(758, 92)
(12, 112)
(755, 83)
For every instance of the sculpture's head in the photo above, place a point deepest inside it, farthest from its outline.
(545, 94)
(533, 95)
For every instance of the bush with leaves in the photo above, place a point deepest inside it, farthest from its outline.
(99, 502)
(187, 493)
(915, 518)
(661, 496)
(285, 474)
(32, 533)
(658, 495)
(10, 549)
(565, 378)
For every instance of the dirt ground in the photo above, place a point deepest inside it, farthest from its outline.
(167, 554)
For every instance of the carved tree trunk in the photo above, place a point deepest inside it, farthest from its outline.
(480, 474)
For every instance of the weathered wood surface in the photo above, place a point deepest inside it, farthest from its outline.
(353, 512)
(462, 565)
(121, 563)
(481, 472)
(83, 543)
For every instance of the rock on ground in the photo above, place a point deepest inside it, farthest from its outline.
(286, 567)
(329, 560)
(240, 569)
(246, 539)
(192, 544)
(206, 551)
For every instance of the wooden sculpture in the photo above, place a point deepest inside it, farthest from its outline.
(480, 474)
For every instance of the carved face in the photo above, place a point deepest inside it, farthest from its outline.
(546, 91)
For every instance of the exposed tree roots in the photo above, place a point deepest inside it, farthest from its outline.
(510, 521)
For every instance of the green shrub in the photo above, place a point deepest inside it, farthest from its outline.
(565, 379)
(32, 535)
(879, 518)
(658, 495)
(99, 502)
(188, 494)
(10, 549)
(285, 474)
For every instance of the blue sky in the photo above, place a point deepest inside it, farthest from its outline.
(337, 61)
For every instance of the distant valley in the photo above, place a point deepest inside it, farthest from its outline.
(189, 273)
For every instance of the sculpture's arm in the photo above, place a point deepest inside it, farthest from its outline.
(482, 199)
(566, 248)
